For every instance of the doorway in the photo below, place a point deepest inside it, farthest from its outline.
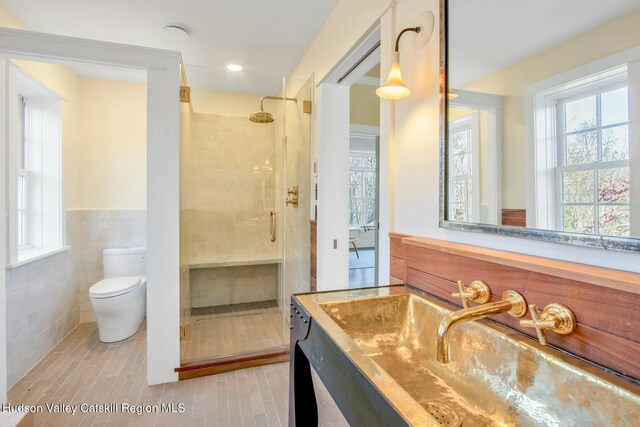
(352, 227)
(364, 177)
(364, 157)
(162, 71)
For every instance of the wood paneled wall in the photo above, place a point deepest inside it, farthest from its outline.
(514, 217)
(606, 302)
(314, 255)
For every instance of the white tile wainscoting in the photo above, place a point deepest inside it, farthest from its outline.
(41, 310)
(47, 298)
(89, 232)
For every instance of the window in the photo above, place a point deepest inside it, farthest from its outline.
(362, 188)
(593, 162)
(34, 164)
(463, 185)
(23, 176)
(581, 151)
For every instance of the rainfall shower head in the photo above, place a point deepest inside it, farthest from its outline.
(264, 117)
(261, 117)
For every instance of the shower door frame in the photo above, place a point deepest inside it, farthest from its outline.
(277, 354)
(163, 195)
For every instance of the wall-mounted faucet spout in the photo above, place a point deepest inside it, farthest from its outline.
(512, 303)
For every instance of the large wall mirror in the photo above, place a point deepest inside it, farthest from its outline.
(541, 120)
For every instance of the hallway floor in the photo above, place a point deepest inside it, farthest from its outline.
(362, 272)
(81, 369)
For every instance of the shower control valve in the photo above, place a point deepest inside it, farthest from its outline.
(293, 196)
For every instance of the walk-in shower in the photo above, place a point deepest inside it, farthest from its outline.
(243, 249)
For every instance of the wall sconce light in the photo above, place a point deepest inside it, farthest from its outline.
(394, 87)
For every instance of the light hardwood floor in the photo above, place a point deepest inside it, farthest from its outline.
(81, 369)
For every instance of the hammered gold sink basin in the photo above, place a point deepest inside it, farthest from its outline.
(496, 377)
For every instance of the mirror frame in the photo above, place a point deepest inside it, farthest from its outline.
(595, 241)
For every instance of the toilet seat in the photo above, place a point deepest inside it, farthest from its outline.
(115, 286)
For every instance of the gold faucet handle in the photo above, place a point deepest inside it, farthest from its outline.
(555, 318)
(477, 291)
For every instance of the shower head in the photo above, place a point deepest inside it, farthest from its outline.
(264, 117)
(261, 117)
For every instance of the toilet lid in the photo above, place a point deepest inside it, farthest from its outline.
(114, 286)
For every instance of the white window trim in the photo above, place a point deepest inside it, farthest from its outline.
(492, 106)
(541, 135)
(47, 219)
(471, 122)
(33, 255)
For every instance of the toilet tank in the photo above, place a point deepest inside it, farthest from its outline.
(120, 262)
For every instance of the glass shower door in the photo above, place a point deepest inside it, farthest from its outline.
(237, 232)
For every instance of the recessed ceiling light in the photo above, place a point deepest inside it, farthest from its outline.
(234, 67)
(177, 32)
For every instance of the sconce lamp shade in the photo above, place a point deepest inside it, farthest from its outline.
(394, 87)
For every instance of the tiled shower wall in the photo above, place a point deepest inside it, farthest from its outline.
(233, 285)
(41, 310)
(228, 180)
(89, 232)
(228, 191)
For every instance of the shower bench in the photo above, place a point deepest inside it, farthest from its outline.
(234, 263)
(233, 281)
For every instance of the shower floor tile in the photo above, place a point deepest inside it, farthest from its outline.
(234, 308)
(241, 328)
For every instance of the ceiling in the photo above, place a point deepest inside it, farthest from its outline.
(266, 37)
(486, 36)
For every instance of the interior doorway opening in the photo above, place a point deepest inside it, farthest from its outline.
(364, 177)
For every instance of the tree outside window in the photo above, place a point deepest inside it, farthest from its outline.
(362, 189)
(593, 162)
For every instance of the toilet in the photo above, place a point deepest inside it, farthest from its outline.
(119, 300)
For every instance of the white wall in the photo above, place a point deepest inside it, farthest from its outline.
(228, 103)
(333, 189)
(3, 249)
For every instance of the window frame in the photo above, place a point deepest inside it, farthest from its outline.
(471, 123)
(596, 89)
(542, 111)
(44, 218)
(23, 173)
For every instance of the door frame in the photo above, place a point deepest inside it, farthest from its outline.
(332, 145)
(163, 180)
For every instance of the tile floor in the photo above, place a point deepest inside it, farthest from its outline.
(81, 369)
(224, 330)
